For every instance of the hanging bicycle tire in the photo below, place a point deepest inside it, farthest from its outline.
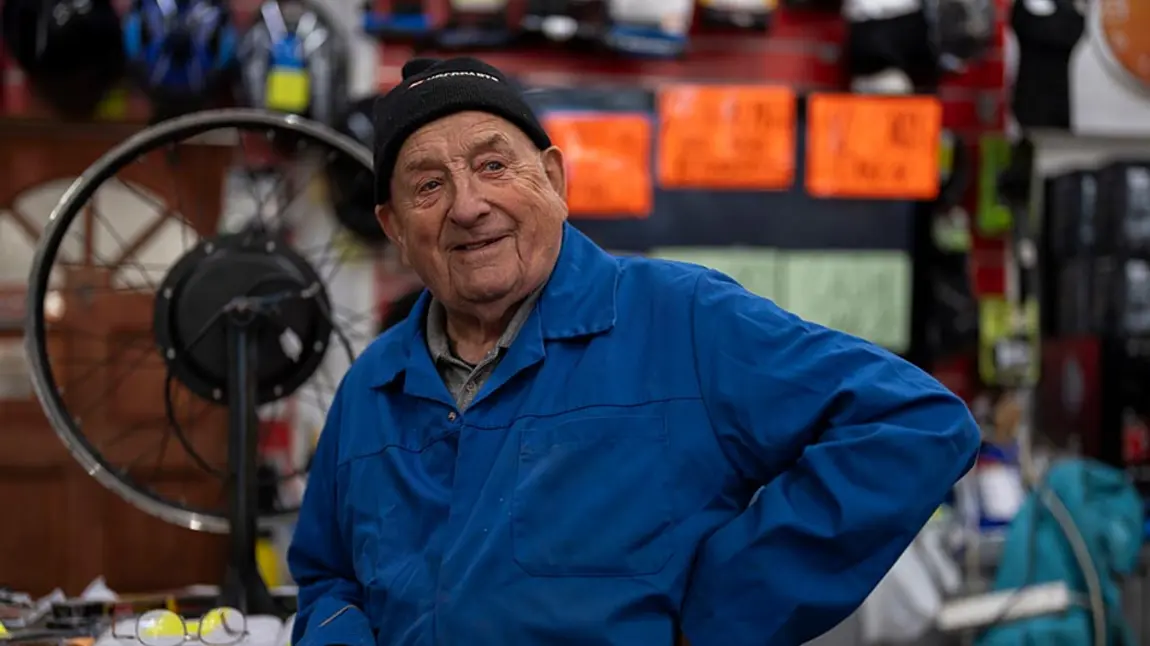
(70, 275)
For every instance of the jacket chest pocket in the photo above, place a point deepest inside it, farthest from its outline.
(592, 498)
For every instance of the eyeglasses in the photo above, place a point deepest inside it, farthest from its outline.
(218, 627)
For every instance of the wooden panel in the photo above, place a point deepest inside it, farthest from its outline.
(34, 547)
(71, 529)
(175, 556)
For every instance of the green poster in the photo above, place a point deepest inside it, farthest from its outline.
(753, 268)
(864, 293)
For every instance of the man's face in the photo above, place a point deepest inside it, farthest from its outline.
(476, 210)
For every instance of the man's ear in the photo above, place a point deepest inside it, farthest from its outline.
(386, 218)
(391, 227)
(556, 170)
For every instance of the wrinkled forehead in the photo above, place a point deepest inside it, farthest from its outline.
(458, 136)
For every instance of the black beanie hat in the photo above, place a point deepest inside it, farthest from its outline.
(432, 89)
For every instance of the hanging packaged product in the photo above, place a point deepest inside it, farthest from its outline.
(1122, 266)
(1004, 173)
(961, 31)
(1000, 487)
(475, 23)
(1073, 286)
(888, 46)
(1008, 342)
(952, 320)
(565, 20)
(1124, 208)
(287, 82)
(1121, 292)
(401, 20)
(1069, 215)
(742, 14)
(294, 59)
(1067, 253)
(1047, 32)
(649, 28)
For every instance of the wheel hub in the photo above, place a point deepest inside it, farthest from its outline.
(228, 276)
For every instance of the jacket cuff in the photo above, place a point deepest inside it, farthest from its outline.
(337, 623)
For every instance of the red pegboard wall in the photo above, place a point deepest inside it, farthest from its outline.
(802, 50)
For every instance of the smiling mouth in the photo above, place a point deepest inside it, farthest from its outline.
(475, 246)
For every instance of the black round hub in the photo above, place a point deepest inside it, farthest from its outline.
(243, 279)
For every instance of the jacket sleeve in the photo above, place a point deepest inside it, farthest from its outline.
(330, 597)
(854, 448)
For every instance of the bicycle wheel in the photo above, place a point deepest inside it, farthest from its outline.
(62, 282)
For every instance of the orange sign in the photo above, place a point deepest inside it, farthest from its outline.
(608, 162)
(727, 137)
(883, 147)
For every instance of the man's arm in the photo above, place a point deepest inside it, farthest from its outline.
(330, 598)
(855, 448)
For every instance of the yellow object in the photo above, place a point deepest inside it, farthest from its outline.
(114, 105)
(3, 630)
(268, 562)
(165, 624)
(946, 155)
(213, 620)
(288, 90)
(1000, 321)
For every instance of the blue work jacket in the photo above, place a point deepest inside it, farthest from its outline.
(597, 492)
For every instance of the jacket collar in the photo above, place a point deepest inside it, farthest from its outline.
(578, 300)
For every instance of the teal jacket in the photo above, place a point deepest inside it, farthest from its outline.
(1106, 511)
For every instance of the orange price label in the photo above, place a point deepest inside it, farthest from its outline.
(882, 147)
(727, 137)
(608, 162)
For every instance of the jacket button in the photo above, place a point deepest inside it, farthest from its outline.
(451, 416)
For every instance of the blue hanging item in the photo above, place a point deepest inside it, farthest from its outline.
(407, 20)
(180, 51)
(1082, 526)
(648, 29)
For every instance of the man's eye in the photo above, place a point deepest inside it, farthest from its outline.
(493, 166)
(429, 185)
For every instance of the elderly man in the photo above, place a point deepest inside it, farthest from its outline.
(559, 446)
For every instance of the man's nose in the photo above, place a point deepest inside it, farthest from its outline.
(469, 204)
